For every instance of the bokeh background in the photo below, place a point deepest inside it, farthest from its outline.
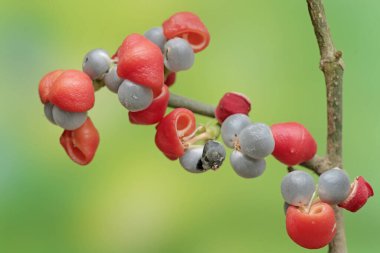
(131, 198)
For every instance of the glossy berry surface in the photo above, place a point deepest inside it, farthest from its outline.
(213, 155)
(294, 144)
(134, 97)
(232, 127)
(256, 141)
(178, 55)
(297, 188)
(68, 120)
(156, 35)
(246, 166)
(191, 160)
(333, 186)
(112, 80)
(311, 229)
(96, 63)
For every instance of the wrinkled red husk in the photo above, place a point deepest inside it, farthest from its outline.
(177, 124)
(154, 113)
(293, 143)
(232, 103)
(81, 144)
(142, 62)
(72, 91)
(46, 83)
(361, 190)
(188, 26)
(170, 79)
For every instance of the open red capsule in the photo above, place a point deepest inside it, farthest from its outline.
(188, 26)
(170, 131)
(81, 144)
(361, 191)
(142, 62)
(154, 113)
(293, 143)
(232, 103)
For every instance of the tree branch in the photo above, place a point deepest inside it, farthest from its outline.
(176, 101)
(331, 64)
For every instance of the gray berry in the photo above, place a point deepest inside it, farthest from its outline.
(68, 120)
(334, 186)
(134, 97)
(178, 55)
(156, 35)
(112, 80)
(213, 155)
(232, 126)
(256, 141)
(48, 110)
(297, 188)
(96, 63)
(191, 160)
(246, 166)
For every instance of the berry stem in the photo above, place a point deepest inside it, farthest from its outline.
(176, 101)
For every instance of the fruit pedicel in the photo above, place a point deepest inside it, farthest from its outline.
(141, 72)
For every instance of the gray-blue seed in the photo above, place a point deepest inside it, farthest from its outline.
(232, 126)
(48, 110)
(297, 188)
(96, 63)
(112, 80)
(68, 120)
(256, 141)
(156, 35)
(178, 55)
(213, 155)
(334, 186)
(246, 166)
(134, 97)
(191, 160)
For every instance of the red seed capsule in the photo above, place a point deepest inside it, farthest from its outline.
(314, 229)
(361, 190)
(81, 144)
(170, 79)
(293, 143)
(46, 84)
(232, 103)
(142, 62)
(154, 113)
(170, 131)
(188, 26)
(72, 91)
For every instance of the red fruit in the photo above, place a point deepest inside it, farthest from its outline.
(361, 190)
(170, 131)
(232, 103)
(141, 62)
(311, 230)
(72, 91)
(81, 144)
(293, 143)
(170, 79)
(188, 26)
(154, 113)
(46, 84)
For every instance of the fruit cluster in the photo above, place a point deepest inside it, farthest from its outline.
(140, 72)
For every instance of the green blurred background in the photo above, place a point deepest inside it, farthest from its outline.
(131, 198)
